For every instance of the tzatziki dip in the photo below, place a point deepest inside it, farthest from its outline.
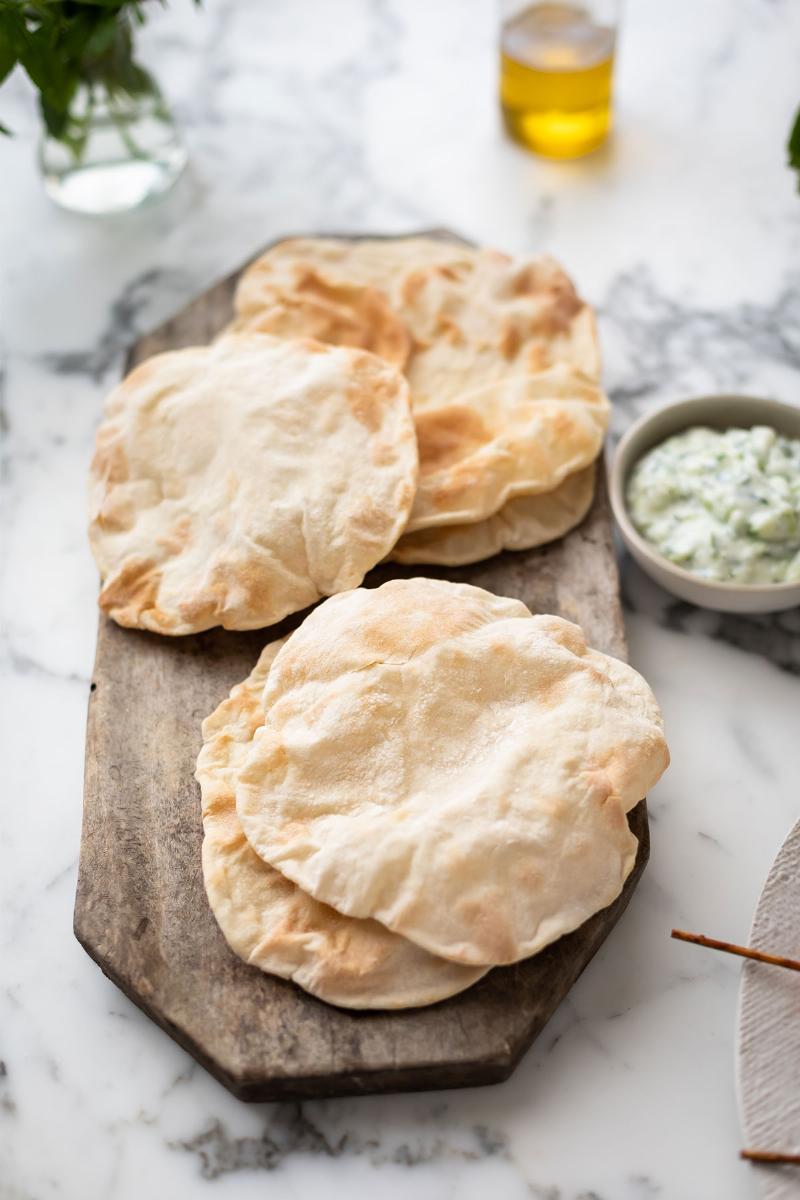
(723, 504)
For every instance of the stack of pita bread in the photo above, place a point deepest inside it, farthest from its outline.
(502, 360)
(410, 398)
(423, 780)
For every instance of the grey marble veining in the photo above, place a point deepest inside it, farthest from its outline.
(685, 233)
(662, 346)
(774, 636)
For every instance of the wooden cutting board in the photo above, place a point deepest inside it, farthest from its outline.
(141, 910)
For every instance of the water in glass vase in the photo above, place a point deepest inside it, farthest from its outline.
(117, 151)
(556, 66)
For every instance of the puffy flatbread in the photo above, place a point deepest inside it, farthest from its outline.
(520, 524)
(490, 319)
(341, 314)
(268, 921)
(476, 315)
(380, 263)
(235, 483)
(485, 340)
(467, 788)
(516, 437)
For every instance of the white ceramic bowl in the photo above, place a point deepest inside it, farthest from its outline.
(720, 412)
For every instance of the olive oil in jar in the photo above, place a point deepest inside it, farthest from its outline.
(556, 67)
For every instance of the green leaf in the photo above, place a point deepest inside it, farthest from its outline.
(64, 44)
(11, 28)
(101, 39)
(8, 57)
(793, 147)
(9, 31)
(55, 77)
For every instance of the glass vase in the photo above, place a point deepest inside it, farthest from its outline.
(118, 149)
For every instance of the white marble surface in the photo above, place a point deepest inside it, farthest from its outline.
(352, 115)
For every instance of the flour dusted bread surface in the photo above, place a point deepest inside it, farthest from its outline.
(520, 524)
(463, 780)
(235, 483)
(268, 921)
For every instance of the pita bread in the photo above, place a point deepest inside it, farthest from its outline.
(389, 624)
(468, 789)
(235, 483)
(340, 314)
(380, 263)
(477, 326)
(476, 315)
(268, 921)
(492, 319)
(521, 524)
(517, 437)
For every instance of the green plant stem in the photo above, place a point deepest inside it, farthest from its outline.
(120, 122)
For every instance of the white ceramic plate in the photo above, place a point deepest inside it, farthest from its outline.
(768, 1044)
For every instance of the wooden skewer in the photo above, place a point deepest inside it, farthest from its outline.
(698, 939)
(769, 1156)
(776, 960)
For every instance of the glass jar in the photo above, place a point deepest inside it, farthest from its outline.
(556, 73)
(117, 149)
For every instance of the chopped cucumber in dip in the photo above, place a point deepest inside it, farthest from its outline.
(723, 504)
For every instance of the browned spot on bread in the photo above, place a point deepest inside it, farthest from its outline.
(383, 454)
(339, 314)
(530, 280)
(412, 285)
(538, 357)
(314, 346)
(563, 426)
(509, 342)
(559, 303)
(447, 435)
(132, 591)
(364, 406)
(113, 518)
(569, 635)
(449, 328)
(557, 316)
